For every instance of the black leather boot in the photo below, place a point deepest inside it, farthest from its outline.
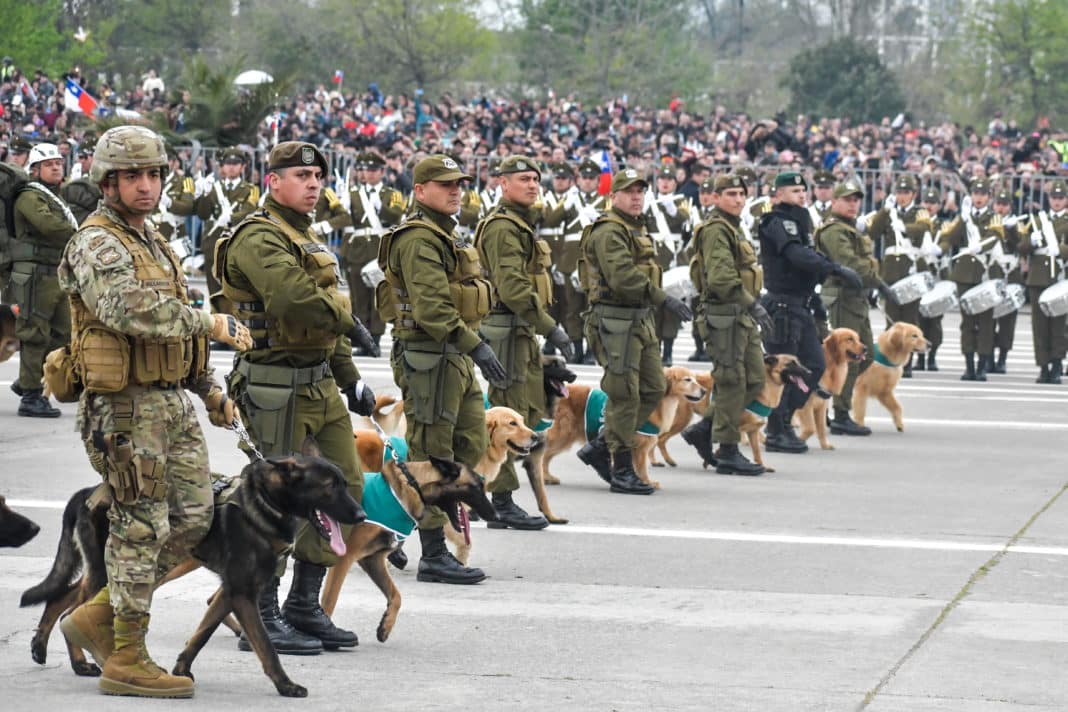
(397, 557)
(304, 613)
(998, 367)
(906, 372)
(595, 454)
(730, 461)
(845, 425)
(1055, 372)
(781, 435)
(438, 565)
(669, 344)
(580, 353)
(286, 639)
(931, 365)
(699, 436)
(511, 515)
(35, 405)
(982, 366)
(1043, 374)
(624, 479)
(969, 368)
(699, 353)
(17, 389)
(377, 338)
(588, 359)
(921, 362)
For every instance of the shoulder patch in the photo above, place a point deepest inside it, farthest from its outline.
(96, 242)
(108, 256)
(790, 226)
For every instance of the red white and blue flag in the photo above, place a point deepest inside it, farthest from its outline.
(604, 185)
(78, 99)
(339, 76)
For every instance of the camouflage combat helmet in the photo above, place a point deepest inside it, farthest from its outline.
(125, 148)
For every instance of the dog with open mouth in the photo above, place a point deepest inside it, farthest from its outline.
(841, 348)
(779, 369)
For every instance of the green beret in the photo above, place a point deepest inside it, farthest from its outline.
(905, 183)
(289, 154)
(439, 168)
(980, 185)
(589, 167)
(848, 187)
(789, 178)
(233, 155)
(1058, 189)
(626, 178)
(725, 182)
(823, 178)
(518, 164)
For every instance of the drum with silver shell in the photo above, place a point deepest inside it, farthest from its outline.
(372, 274)
(1054, 300)
(182, 247)
(677, 283)
(908, 289)
(1015, 296)
(983, 297)
(941, 299)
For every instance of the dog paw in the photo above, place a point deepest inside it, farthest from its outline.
(38, 651)
(182, 670)
(655, 484)
(84, 669)
(291, 689)
(658, 464)
(556, 520)
(551, 480)
(828, 446)
(672, 463)
(382, 634)
(768, 469)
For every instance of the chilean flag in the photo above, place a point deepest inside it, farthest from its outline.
(78, 99)
(339, 76)
(604, 185)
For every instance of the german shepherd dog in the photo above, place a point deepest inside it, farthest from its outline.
(15, 529)
(779, 369)
(256, 521)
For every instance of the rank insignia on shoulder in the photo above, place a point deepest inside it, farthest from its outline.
(790, 226)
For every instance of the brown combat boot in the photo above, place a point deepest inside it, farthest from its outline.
(89, 627)
(129, 670)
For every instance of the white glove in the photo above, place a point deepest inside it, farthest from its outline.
(322, 228)
(203, 185)
(1011, 221)
(557, 275)
(376, 202)
(668, 201)
(891, 202)
(589, 213)
(1037, 239)
(164, 201)
(966, 206)
(571, 202)
(972, 249)
(934, 251)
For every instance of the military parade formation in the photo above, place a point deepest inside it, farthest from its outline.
(470, 273)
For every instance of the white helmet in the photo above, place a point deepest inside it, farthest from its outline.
(42, 152)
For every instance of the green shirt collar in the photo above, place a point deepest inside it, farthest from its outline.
(516, 208)
(445, 222)
(301, 221)
(635, 222)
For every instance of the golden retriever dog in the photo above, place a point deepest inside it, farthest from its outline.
(683, 417)
(9, 343)
(778, 369)
(388, 413)
(893, 349)
(841, 348)
(682, 390)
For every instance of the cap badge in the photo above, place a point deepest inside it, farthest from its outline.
(307, 155)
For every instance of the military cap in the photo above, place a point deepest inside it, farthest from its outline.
(1058, 189)
(666, 172)
(980, 185)
(233, 154)
(708, 185)
(563, 170)
(1003, 196)
(20, 144)
(289, 154)
(369, 160)
(438, 168)
(847, 188)
(626, 178)
(823, 178)
(589, 167)
(518, 164)
(931, 195)
(747, 173)
(725, 182)
(494, 164)
(905, 183)
(85, 148)
(789, 178)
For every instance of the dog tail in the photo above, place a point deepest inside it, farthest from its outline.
(384, 405)
(61, 579)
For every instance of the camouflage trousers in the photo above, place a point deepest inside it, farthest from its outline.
(149, 536)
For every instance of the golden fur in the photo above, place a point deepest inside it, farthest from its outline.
(777, 368)
(683, 416)
(840, 348)
(897, 344)
(682, 390)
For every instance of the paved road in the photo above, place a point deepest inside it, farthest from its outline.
(913, 572)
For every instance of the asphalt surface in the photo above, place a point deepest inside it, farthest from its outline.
(914, 572)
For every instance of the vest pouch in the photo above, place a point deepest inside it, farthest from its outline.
(268, 412)
(541, 262)
(20, 291)
(104, 359)
(697, 274)
(622, 350)
(722, 339)
(467, 262)
(653, 271)
(500, 333)
(60, 375)
(384, 302)
(158, 361)
(425, 375)
(199, 350)
(321, 264)
(471, 298)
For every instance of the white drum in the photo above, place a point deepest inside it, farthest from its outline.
(1054, 300)
(909, 289)
(677, 283)
(983, 297)
(372, 274)
(1015, 296)
(183, 247)
(941, 299)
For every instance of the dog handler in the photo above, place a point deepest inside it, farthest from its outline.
(137, 345)
(518, 264)
(282, 283)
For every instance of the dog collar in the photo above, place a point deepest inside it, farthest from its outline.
(759, 409)
(595, 407)
(395, 449)
(543, 425)
(880, 358)
(383, 508)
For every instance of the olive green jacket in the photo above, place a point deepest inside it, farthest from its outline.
(840, 241)
(40, 222)
(716, 243)
(612, 248)
(83, 196)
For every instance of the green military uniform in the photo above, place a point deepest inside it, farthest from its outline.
(728, 279)
(670, 228)
(558, 224)
(901, 253)
(843, 244)
(570, 298)
(82, 196)
(932, 326)
(177, 202)
(517, 262)
(1008, 260)
(1048, 243)
(236, 198)
(12, 178)
(622, 281)
(821, 209)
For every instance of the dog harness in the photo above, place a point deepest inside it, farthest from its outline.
(881, 358)
(543, 424)
(595, 406)
(759, 409)
(383, 508)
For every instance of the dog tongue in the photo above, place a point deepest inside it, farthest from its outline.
(564, 390)
(337, 542)
(800, 383)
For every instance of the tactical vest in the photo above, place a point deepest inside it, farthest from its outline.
(863, 245)
(538, 263)
(642, 250)
(268, 332)
(745, 260)
(108, 360)
(469, 290)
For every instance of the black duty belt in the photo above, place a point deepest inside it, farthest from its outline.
(792, 300)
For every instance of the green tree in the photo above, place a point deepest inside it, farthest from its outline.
(219, 113)
(162, 34)
(34, 36)
(843, 78)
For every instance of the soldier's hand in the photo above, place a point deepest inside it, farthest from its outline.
(888, 294)
(230, 331)
(559, 338)
(487, 362)
(361, 337)
(849, 276)
(761, 316)
(222, 412)
(679, 308)
(361, 398)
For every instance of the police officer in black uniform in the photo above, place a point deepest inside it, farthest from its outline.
(792, 269)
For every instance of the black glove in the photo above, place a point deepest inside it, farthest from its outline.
(761, 316)
(559, 338)
(851, 278)
(361, 337)
(888, 294)
(487, 362)
(873, 299)
(361, 398)
(678, 308)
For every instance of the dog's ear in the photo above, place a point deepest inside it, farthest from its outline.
(449, 470)
(770, 359)
(897, 336)
(310, 448)
(287, 469)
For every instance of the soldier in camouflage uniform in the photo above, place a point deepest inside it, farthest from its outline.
(43, 224)
(221, 203)
(667, 218)
(135, 419)
(82, 194)
(517, 262)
